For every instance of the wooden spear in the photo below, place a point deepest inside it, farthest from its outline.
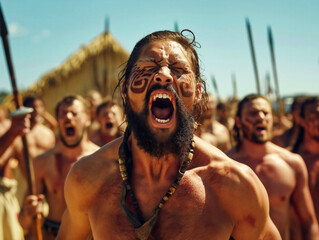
(20, 111)
(252, 50)
(274, 70)
(215, 87)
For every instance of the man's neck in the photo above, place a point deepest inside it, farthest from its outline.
(254, 150)
(74, 152)
(310, 144)
(153, 169)
(106, 138)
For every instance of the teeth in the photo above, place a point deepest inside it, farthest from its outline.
(161, 95)
(162, 120)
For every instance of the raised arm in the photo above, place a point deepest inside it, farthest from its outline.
(303, 203)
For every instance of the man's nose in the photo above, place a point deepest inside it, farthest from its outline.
(261, 115)
(69, 115)
(164, 76)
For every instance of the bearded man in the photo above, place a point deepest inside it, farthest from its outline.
(307, 144)
(52, 167)
(283, 173)
(159, 181)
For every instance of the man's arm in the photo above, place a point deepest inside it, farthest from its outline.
(303, 203)
(252, 209)
(32, 204)
(75, 223)
(20, 126)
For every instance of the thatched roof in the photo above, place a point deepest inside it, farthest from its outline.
(104, 43)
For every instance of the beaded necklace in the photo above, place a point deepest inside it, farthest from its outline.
(143, 228)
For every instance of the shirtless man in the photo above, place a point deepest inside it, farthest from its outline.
(307, 145)
(52, 167)
(215, 199)
(283, 173)
(109, 116)
(9, 205)
(210, 126)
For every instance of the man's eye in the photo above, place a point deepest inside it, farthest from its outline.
(149, 68)
(178, 70)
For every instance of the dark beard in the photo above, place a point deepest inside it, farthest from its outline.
(177, 143)
(74, 144)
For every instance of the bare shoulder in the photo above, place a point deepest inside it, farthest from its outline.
(222, 171)
(237, 187)
(44, 161)
(95, 170)
(294, 160)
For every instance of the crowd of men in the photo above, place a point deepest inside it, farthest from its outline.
(169, 162)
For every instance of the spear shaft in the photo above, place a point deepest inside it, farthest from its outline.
(274, 68)
(18, 102)
(215, 87)
(252, 50)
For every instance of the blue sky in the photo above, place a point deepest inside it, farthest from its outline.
(43, 34)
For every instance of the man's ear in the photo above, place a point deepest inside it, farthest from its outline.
(124, 92)
(198, 93)
(88, 120)
(237, 122)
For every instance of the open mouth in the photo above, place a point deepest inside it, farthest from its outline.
(261, 128)
(109, 125)
(162, 107)
(70, 131)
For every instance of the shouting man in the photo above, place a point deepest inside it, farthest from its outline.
(283, 173)
(158, 181)
(52, 167)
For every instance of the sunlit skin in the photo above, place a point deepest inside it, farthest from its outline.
(162, 59)
(206, 212)
(309, 149)
(51, 168)
(283, 173)
(72, 122)
(109, 119)
(256, 121)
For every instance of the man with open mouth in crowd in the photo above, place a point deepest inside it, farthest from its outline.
(52, 167)
(283, 173)
(159, 181)
(110, 117)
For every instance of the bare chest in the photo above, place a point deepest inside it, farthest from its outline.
(55, 175)
(278, 178)
(191, 213)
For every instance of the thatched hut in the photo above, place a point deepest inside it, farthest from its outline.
(93, 67)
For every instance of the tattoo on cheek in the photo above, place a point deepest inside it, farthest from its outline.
(186, 89)
(139, 80)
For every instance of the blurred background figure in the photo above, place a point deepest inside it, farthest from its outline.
(223, 115)
(109, 115)
(9, 205)
(307, 144)
(95, 99)
(211, 130)
(287, 138)
(4, 120)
